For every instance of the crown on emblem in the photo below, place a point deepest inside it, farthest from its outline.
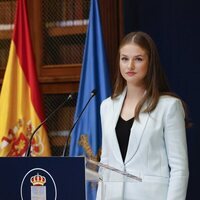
(38, 180)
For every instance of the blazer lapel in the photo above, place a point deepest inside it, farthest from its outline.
(136, 134)
(117, 106)
(137, 130)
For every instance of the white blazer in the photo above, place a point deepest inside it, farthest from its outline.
(157, 151)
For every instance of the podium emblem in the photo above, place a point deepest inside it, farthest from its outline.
(38, 188)
(38, 184)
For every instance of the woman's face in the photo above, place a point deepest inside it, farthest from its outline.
(133, 63)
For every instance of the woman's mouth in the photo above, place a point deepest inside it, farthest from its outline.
(130, 73)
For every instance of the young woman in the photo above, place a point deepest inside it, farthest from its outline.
(143, 127)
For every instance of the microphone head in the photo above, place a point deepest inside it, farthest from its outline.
(94, 92)
(70, 96)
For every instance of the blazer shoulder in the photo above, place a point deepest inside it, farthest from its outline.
(168, 100)
(169, 103)
(106, 103)
(109, 101)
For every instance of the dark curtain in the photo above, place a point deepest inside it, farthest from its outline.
(175, 27)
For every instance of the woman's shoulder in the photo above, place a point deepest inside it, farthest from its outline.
(169, 101)
(106, 104)
(110, 100)
(171, 106)
(106, 101)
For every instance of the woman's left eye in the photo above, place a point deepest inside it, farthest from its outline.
(138, 59)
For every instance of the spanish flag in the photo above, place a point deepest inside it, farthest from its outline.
(20, 101)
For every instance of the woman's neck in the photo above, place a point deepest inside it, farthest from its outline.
(135, 92)
(133, 96)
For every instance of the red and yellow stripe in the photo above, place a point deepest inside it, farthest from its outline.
(20, 101)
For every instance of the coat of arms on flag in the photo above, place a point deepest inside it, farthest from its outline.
(17, 140)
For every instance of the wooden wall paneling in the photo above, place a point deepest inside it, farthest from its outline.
(112, 23)
(56, 78)
(52, 78)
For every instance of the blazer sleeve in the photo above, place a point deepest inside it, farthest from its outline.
(104, 152)
(176, 147)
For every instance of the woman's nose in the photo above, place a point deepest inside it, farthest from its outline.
(131, 65)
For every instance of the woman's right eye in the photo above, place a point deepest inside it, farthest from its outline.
(124, 58)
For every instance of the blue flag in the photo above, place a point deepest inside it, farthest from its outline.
(86, 137)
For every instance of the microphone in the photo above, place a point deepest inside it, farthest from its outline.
(66, 146)
(28, 151)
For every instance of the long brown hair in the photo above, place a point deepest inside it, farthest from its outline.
(155, 80)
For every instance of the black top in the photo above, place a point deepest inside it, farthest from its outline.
(123, 130)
